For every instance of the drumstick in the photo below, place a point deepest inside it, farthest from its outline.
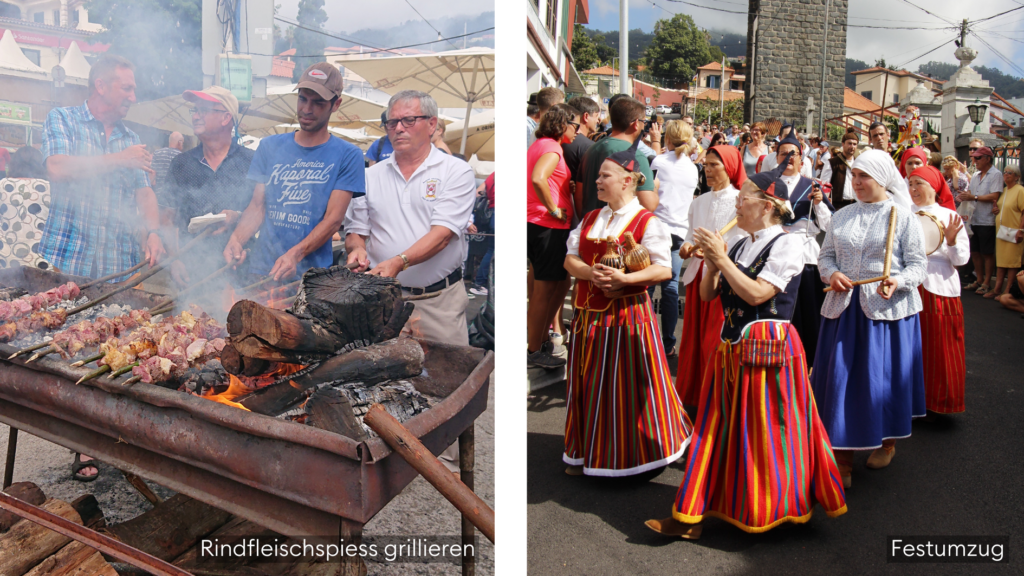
(886, 267)
(700, 253)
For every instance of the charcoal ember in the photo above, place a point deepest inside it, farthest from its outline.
(210, 378)
(399, 398)
(8, 294)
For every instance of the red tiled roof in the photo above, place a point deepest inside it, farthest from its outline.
(898, 73)
(855, 101)
(281, 67)
(602, 71)
(715, 66)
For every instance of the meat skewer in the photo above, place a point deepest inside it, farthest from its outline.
(84, 334)
(28, 304)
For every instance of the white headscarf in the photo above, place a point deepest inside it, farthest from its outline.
(882, 168)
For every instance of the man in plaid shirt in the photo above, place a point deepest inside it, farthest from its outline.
(102, 204)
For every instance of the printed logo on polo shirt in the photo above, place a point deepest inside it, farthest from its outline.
(319, 74)
(431, 187)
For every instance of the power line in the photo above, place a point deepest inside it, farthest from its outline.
(428, 22)
(998, 53)
(321, 32)
(997, 15)
(391, 49)
(928, 12)
(901, 27)
(707, 7)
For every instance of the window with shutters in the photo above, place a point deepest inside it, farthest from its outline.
(552, 18)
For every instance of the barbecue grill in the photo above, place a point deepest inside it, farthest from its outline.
(288, 477)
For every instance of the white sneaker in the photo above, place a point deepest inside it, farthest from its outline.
(481, 291)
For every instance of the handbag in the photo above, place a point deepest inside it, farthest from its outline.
(763, 353)
(1005, 233)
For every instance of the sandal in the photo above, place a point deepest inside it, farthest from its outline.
(972, 286)
(991, 294)
(78, 465)
(982, 289)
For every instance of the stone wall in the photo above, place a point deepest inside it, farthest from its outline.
(787, 59)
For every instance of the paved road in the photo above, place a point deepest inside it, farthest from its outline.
(958, 475)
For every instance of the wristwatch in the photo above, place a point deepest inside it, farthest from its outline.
(405, 262)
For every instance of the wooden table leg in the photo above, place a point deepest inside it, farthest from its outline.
(352, 533)
(12, 449)
(467, 460)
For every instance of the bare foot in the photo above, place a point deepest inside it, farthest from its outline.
(83, 473)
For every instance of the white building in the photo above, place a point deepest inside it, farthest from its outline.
(549, 29)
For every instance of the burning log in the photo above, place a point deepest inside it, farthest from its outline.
(331, 410)
(416, 454)
(335, 308)
(235, 363)
(26, 492)
(27, 543)
(392, 360)
(341, 409)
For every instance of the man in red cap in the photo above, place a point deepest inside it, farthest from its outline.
(304, 182)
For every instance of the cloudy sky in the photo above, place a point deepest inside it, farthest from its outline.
(351, 15)
(867, 44)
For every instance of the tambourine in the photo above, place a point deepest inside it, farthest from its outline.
(934, 231)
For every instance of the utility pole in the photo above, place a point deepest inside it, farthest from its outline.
(721, 94)
(824, 64)
(963, 32)
(624, 46)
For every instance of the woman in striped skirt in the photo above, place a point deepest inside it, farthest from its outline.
(942, 318)
(760, 454)
(623, 416)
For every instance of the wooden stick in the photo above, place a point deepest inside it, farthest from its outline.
(120, 371)
(888, 247)
(88, 359)
(39, 355)
(29, 349)
(94, 374)
(127, 272)
(131, 381)
(181, 293)
(887, 266)
(416, 454)
(256, 285)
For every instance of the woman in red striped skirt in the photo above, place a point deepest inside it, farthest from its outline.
(760, 455)
(623, 416)
(942, 319)
(702, 321)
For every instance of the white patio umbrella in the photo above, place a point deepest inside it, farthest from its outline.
(455, 78)
(359, 137)
(171, 113)
(480, 140)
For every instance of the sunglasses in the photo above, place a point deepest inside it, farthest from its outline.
(408, 121)
(575, 126)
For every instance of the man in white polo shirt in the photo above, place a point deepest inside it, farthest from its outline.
(410, 222)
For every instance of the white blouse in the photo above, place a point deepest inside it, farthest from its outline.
(711, 211)
(807, 229)
(942, 278)
(784, 262)
(610, 222)
(678, 177)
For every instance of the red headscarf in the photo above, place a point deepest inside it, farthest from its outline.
(730, 156)
(910, 153)
(931, 175)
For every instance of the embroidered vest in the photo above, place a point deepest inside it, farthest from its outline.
(736, 310)
(587, 296)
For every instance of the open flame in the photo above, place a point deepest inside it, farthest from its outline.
(244, 385)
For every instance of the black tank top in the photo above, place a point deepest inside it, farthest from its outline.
(738, 313)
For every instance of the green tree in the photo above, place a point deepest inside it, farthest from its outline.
(678, 49)
(851, 67)
(937, 70)
(309, 44)
(584, 51)
(709, 108)
(162, 38)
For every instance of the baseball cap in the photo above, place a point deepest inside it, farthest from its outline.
(215, 94)
(322, 78)
(983, 151)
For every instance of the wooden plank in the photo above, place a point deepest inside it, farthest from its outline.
(26, 492)
(75, 559)
(171, 528)
(27, 543)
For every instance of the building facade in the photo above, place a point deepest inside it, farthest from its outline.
(784, 52)
(549, 30)
(891, 86)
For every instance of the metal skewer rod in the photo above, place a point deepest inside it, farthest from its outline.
(127, 272)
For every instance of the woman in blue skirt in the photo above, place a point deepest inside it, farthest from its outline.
(868, 376)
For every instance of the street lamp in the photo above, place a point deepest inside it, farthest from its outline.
(977, 112)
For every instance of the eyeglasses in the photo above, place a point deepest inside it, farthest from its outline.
(407, 122)
(973, 148)
(203, 111)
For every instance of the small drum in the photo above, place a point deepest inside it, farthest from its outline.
(934, 231)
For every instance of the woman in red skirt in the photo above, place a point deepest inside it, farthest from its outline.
(623, 416)
(702, 321)
(942, 319)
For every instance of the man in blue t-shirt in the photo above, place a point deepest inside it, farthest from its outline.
(381, 149)
(304, 183)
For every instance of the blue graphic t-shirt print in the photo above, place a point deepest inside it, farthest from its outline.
(299, 182)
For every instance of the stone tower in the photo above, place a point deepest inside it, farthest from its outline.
(784, 51)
